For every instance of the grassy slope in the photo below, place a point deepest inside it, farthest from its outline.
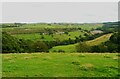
(99, 40)
(71, 48)
(67, 48)
(60, 65)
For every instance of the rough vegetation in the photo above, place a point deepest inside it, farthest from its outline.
(60, 65)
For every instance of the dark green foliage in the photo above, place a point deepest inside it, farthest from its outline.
(100, 48)
(40, 46)
(9, 44)
(66, 32)
(112, 47)
(79, 28)
(61, 51)
(83, 47)
(26, 45)
(86, 34)
(76, 63)
(115, 38)
(13, 45)
(114, 43)
(42, 37)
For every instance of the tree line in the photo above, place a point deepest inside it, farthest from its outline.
(11, 44)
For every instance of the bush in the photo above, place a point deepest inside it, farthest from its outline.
(61, 51)
(66, 33)
(83, 47)
(100, 48)
(40, 46)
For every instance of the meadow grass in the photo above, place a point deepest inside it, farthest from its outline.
(60, 37)
(66, 48)
(99, 40)
(34, 37)
(60, 65)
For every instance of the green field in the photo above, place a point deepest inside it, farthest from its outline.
(99, 40)
(39, 27)
(59, 37)
(72, 47)
(32, 31)
(71, 35)
(66, 48)
(34, 37)
(60, 65)
(45, 25)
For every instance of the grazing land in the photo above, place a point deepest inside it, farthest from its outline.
(72, 47)
(60, 49)
(50, 32)
(60, 65)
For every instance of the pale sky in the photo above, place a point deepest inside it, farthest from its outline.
(76, 12)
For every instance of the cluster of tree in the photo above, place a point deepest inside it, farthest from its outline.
(12, 25)
(14, 45)
(109, 27)
(112, 45)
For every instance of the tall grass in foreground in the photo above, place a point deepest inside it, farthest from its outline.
(60, 65)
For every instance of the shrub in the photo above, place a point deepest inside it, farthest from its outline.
(61, 51)
(40, 46)
(83, 47)
(76, 63)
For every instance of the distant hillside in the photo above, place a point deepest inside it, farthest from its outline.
(99, 40)
(72, 47)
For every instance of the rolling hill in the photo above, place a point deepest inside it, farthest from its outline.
(72, 47)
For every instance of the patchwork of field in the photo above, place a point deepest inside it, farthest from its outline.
(45, 25)
(60, 65)
(40, 31)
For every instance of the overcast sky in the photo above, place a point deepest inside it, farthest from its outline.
(76, 12)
